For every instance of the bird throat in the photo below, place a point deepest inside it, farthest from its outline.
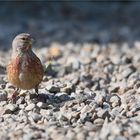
(20, 53)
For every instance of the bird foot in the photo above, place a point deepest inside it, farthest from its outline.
(13, 98)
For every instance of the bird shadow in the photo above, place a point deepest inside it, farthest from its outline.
(51, 99)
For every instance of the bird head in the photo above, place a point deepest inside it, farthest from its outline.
(22, 42)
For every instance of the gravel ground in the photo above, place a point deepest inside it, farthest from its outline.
(88, 91)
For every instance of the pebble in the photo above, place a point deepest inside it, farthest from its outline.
(45, 112)
(21, 100)
(42, 105)
(127, 72)
(3, 96)
(85, 109)
(30, 107)
(98, 121)
(11, 108)
(69, 88)
(36, 117)
(116, 111)
(52, 88)
(103, 113)
(76, 65)
(99, 99)
(115, 100)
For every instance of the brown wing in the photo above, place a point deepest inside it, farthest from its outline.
(13, 70)
(35, 67)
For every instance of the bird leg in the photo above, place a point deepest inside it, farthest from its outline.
(14, 95)
(36, 89)
(39, 96)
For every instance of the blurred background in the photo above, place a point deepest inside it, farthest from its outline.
(70, 21)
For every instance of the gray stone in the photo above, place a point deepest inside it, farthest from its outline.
(11, 108)
(69, 88)
(76, 65)
(21, 100)
(30, 107)
(83, 117)
(21, 106)
(116, 111)
(52, 88)
(115, 100)
(2, 86)
(3, 96)
(99, 99)
(99, 121)
(36, 117)
(103, 113)
(85, 109)
(45, 112)
(127, 72)
(42, 105)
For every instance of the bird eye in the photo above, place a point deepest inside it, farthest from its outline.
(23, 38)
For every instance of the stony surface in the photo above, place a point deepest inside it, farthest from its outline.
(97, 95)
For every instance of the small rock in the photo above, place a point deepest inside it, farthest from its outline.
(9, 86)
(127, 72)
(30, 107)
(36, 117)
(115, 59)
(21, 106)
(106, 106)
(69, 88)
(52, 88)
(63, 117)
(99, 99)
(2, 86)
(76, 65)
(3, 96)
(115, 100)
(21, 100)
(45, 112)
(22, 112)
(103, 113)
(83, 117)
(116, 111)
(98, 121)
(42, 105)
(85, 109)
(11, 108)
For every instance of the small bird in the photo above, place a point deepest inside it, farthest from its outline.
(25, 70)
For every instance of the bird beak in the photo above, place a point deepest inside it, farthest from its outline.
(30, 42)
